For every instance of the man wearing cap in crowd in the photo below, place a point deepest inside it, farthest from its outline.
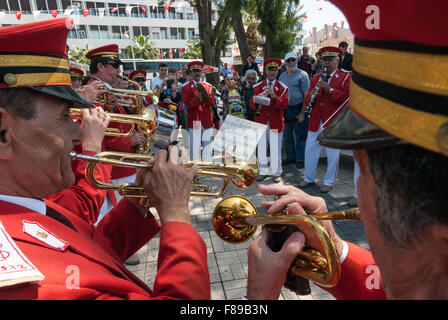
(140, 77)
(271, 114)
(49, 243)
(76, 77)
(333, 93)
(397, 124)
(199, 98)
(296, 125)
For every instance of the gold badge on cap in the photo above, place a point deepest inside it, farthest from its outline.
(10, 79)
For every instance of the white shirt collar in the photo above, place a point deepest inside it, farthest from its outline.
(103, 82)
(29, 203)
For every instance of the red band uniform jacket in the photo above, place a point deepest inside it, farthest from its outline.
(120, 144)
(98, 254)
(197, 110)
(274, 113)
(325, 103)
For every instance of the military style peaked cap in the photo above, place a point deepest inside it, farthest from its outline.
(34, 56)
(399, 86)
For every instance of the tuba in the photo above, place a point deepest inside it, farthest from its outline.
(235, 220)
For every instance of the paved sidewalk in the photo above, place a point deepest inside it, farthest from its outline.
(227, 262)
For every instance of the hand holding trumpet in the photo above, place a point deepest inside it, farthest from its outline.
(202, 93)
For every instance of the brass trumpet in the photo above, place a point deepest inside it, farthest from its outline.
(241, 174)
(235, 220)
(145, 123)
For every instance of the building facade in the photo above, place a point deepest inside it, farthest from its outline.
(102, 22)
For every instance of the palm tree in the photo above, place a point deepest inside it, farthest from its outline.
(193, 50)
(78, 55)
(143, 47)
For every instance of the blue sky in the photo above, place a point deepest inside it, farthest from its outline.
(318, 18)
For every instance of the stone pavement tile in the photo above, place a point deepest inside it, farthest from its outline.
(217, 292)
(238, 271)
(234, 284)
(215, 276)
(235, 294)
(288, 294)
(225, 272)
(326, 296)
(307, 297)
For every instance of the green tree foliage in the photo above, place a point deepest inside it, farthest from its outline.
(193, 50)
(277, 20)
(143, 47)
(78, 55)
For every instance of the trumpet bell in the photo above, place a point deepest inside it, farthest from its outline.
(235, 220)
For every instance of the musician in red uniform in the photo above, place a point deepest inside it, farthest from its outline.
(397, 125)
(198, 96)
(333, 91)
(54, 253)
(272, 115)
(105, 68)
(76, 77)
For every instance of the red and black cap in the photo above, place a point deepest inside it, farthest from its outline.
(34, 56)
(330, 52)
(195, 66)
(272, 63)
(138, 75)
(76, 73)
(399, 87)
(104, 53)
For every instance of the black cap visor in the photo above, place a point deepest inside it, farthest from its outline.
(65, 93)
(349, 131)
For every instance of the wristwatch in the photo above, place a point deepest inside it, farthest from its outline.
(331, 90)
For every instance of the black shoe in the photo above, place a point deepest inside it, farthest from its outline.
(287, 161)
(300, 165)
(261, 177)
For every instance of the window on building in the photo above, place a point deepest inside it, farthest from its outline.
(41, 5)
(161, 13)
(145, 31)
(163, 33)
(116, 33)
(92, 9)
(113, 9)
(189, 13)
(122, 10)
(82, 32)
(25, 6)
(190, 34)
(125, 32)
(172, 13)
(4, 7)
(14, 6)
(104, 32)
(176, 53)
(181, 33)
(94, 32)
(137, 31)
(153, 11)
(165, 52)
(180, 13)
(134, 10)
(173, 33)
(155, 33)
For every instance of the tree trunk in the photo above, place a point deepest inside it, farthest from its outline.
(241, 36)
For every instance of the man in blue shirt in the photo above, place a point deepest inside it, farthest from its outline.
(296, 125)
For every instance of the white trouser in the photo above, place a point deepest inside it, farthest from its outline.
(107, 204)
(196, 137)
(312, 154)
(275, 148)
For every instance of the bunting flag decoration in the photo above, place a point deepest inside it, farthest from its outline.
(36, 13)
(2, 14)
(114, 9)
(54, 13)
(18, 14)
(181, 49)
(85, 12)
(143, 8)
(301, 7)
(128, 10)
(68, 12)
(101, 12)
(167, 6)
